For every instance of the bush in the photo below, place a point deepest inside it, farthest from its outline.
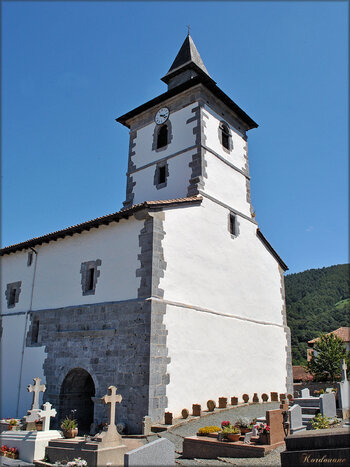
(320, 423)
(209, 429)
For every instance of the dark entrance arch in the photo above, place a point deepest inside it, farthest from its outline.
(76, 394)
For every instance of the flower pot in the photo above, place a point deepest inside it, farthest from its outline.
(70, 433)
(245, 430)
(233, 436)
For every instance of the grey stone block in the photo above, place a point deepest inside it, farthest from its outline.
(328, 405)
(157, 453)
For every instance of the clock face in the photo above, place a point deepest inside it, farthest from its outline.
(162, 115)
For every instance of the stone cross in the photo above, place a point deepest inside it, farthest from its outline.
(46, 414)
(111, 436)
(343, 370)
(113, 398)
(36, 389)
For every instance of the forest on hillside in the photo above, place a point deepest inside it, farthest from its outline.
(317, 302)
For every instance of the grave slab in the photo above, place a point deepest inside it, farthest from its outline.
(325, 447)
(159, 452)
(328, 405)
(203, 447)
(295, 419)
(30, 444)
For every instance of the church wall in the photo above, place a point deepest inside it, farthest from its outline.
(11, 353)
(237, 156)
(225, 184)
(214, 356)
(181, 136)
(177, 181)
(58, 277)
(235, 276)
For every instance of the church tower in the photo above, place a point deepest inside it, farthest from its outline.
(191, 140)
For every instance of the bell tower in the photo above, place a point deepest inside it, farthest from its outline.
(189, 141)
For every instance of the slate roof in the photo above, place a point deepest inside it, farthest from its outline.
(343, 334)
(187, 57)
(104, 220)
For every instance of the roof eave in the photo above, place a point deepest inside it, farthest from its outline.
(272, 251)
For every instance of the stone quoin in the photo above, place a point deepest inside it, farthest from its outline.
(145, 298)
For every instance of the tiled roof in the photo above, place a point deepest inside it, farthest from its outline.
(300, 374)
(104, 220)
(343, 334)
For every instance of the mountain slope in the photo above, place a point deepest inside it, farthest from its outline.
(317, 301)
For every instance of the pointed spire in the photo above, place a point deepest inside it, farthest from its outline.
(188, 58)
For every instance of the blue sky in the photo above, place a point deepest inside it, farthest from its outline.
(70, 68)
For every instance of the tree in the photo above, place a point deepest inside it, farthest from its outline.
(329, 351)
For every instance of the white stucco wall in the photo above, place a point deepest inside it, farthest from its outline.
(182, 132)
(177, 181)
(58, 277)
(226, 184)
(11, 356)
(212, 121)
(208, 268)
(214, 356)
(232, 327)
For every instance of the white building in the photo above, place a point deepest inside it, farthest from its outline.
(176, 301)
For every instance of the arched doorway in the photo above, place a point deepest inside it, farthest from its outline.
(76, 395)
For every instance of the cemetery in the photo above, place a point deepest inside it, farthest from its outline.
(228, 428)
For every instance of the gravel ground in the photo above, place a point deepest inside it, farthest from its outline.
(272, 459)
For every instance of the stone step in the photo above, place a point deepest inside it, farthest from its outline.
(307, 401)
(310, 410)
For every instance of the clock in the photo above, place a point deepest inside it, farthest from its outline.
(162, 115)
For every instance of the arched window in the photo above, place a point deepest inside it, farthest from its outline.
(162, 137)
(225, 136)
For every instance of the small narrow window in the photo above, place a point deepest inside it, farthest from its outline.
(161, 174)
(233, 228)
(30, 258)
(91, 279)
(35, 332)
(12, 298)
(162, 138)
(225, 136)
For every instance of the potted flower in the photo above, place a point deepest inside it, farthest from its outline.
(12, 423)
(244, 424)
(264, 433)
(211, 431)
(231, 433)
(39, 425)
(69, 427)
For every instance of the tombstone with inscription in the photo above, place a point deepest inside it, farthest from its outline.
(305, 393)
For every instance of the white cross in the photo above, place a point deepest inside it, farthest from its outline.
(343, 372)
(112, 399)
(36, 389)
(46, 414)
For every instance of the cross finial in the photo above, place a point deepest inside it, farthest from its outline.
(46, 414)
(36, 389)
(188, 29)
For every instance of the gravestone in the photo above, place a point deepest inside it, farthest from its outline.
(344, 393)
(222, 402)
(211, 405)
(264, 397)
(255, 398)
(185, 413)
(295, 419)
(168, 418)
(248, 437)
(245, 397)
(317, 447)
(234, 400)
(33, 413)
(328, 405)
(274, 418)
(106, 448)
(46, 414)
(157, 453)
(196, 410)
(274, 396)
(305, 393)
(146, 426)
